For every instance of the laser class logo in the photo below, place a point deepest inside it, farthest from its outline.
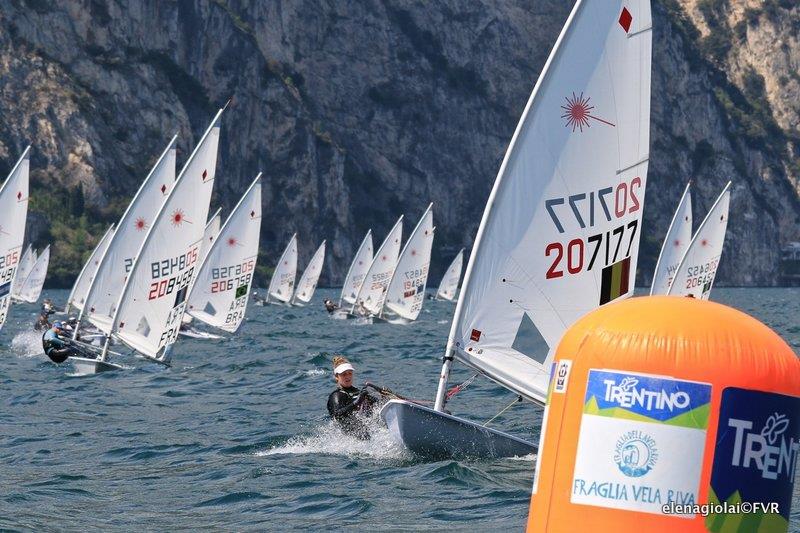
(636, 453)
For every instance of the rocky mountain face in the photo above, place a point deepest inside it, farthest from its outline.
(360, 111)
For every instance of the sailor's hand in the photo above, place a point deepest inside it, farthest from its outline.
(362, 396)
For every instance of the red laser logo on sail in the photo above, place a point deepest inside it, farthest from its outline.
(139, 224)
(232, 241)
(578, 112)
(177, 217)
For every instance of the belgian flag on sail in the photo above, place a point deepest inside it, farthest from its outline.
(616, 281)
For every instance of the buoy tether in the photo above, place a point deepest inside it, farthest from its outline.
(668, 414)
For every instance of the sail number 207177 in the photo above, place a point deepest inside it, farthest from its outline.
(604, 205)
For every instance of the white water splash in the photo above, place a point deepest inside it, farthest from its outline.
(315, 372)
(329, 439)
(27, 344)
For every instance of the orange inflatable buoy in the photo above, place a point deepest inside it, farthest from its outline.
(668, 414)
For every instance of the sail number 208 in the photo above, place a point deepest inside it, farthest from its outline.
(577, 254)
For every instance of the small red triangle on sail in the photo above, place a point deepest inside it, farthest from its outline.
(625, 19)
(475, 335)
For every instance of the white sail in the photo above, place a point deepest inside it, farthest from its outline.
(560, 232)
(373, 288)
(281, 286)
(153, 300)
(698, 268)
(676, 242)
(23, 269)
(308, 281)
(449, 284)
(81, 286)
(117, 261)
(31, 288)
(406, 290)
(357, 271)
(220, 293)
(210, 234)
(13, 213)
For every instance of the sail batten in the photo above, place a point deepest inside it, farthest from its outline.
(560, 232)
(220, 294)
(405, 292)
(358, 269)
(281, 286)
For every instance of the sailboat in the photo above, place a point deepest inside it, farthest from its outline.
(405, 291)
(31, 287)
(281, 286)
(116, 261)
(355, 275)
(23, 269)
(13, 214)
(560, 232)
(676, 242)
(449, 285)
(308, 281)
(220, 293)
(695, 275)
(77, 296)
(149, 310)
(369, 299)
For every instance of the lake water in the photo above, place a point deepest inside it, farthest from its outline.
(234, 436)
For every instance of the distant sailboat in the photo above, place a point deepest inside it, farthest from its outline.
(676, 242)
(31, 287)
(448, 287)
(220, 293)
(560, 232)
(13, 214)
(308, 281)
(695, 275)
(370, 296)
(150, 309)
(281, 286)
(405, 291)
(77, 296)
(358, 269)
(23, 269)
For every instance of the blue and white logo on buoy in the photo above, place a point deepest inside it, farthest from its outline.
(635, 453)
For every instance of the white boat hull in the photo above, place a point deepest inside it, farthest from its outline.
(438, 435)
(85, 367)
(196, 334)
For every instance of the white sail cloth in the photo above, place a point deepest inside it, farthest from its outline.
(23, 269)
(80, 288)
(281, 286)
(376, 280)
(357, 271)
(698, 268)
(220, 293)
(210, 234)
(31, 287)
(13, 214)
(153, 299)
(115, 264)
(449, 285)
(560, 233)
(406, 290)
(308, 281)
(676, 242)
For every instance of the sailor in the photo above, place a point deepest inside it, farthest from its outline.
(348, 401)
(42, 322)
(56, 345)
(258, 300)
(361, 309)
(47, 307)
(330, 307)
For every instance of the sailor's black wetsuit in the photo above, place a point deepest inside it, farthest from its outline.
(344, 404)
(56, 348)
